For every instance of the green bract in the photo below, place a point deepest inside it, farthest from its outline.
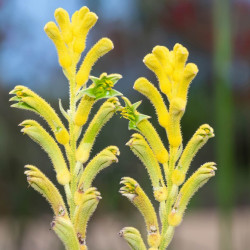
(130, 112)
(102, 87)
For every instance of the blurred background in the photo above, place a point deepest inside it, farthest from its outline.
(217, 35)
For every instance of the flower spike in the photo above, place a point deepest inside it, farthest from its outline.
(69, 35)
(174, 75)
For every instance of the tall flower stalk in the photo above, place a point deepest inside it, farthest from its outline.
(69, 37)
(167, 168)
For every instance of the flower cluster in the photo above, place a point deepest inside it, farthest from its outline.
(69, 36)
(174, 76)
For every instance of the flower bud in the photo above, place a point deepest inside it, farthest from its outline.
(101, 48)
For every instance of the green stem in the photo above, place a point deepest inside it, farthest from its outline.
(72, 161)
(165, 238)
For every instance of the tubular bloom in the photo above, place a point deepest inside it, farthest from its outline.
(170, 187)
(69, 36)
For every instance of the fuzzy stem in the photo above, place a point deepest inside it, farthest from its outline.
(165, 238)
(72, 143)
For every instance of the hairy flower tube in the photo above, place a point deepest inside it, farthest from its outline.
(68, 147)
(170, 187)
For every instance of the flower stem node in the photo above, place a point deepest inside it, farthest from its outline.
(178, 177)
(154, 240)
(160, 193)
(174, 219)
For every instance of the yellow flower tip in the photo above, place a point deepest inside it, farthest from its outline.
(181, 56)
(150, 61)
(178, 177)
(61, 16)
(162, 156)
(191, 70)
(157, 50)
(55, 35)
(63, 20)
(52, 31)
(63, 177)
(82, 22)
(160, 194)
(62, 136)
(174, 219)
(207, 131)
(82, 12)
(106, 44)
(90, 20)
(154, 240)
(139, 83)
(177, 46)
(114, 150)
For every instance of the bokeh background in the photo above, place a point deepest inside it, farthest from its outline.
(217, 34)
